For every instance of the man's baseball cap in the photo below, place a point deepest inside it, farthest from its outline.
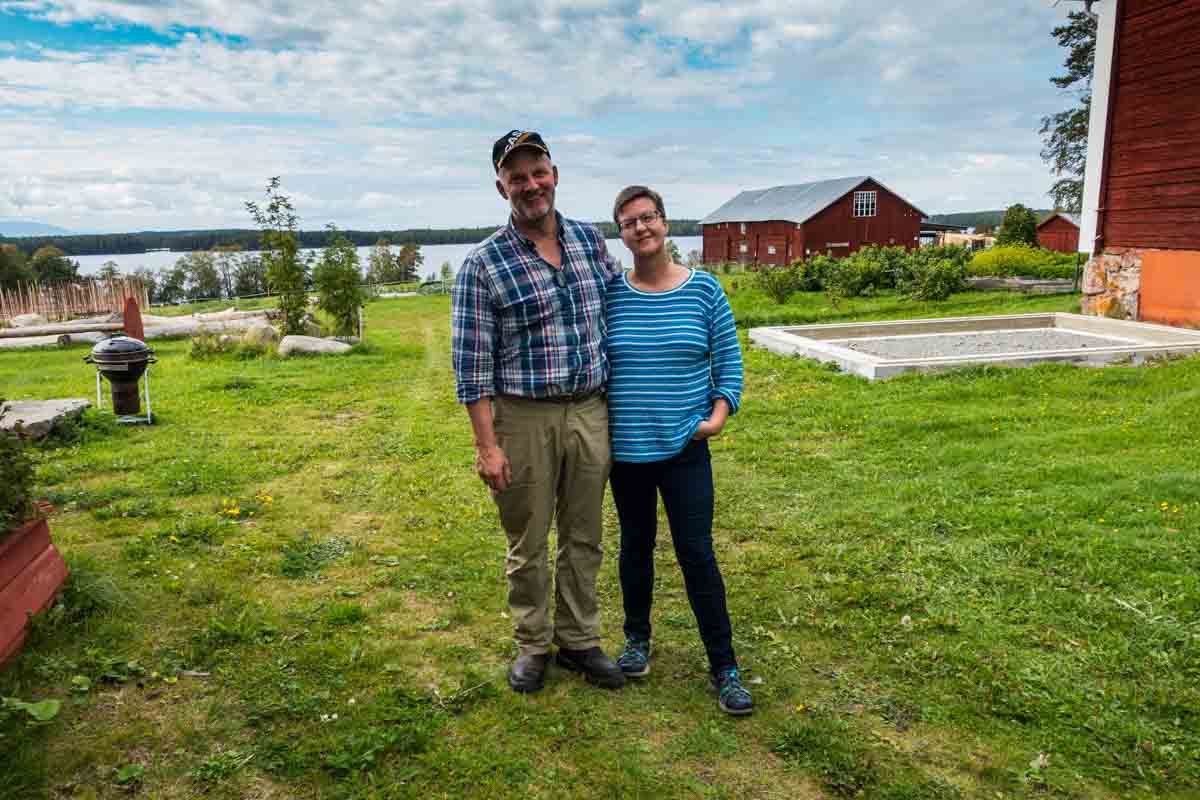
(514, 140)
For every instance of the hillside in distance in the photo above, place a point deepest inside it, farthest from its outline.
(25, 227)
(976, 219)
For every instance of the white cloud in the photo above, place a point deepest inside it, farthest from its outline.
(378, 117)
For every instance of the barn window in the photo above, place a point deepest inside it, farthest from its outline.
(743, 248)
(770, 249)
(743, 227)
(864, 204)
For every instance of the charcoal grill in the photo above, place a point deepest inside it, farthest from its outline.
(123, 360)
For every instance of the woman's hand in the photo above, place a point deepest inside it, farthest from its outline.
(715, 423)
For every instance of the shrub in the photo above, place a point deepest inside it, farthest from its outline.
(1020, 261)
(337, 280)
(813, 271)
(862, 273)
(933, 279)
(16, 482)
(779, 283)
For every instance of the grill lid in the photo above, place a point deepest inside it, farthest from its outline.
(121, 350)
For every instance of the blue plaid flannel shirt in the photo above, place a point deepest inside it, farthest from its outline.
(516, 331)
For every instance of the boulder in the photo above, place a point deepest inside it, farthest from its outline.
(27, 320)
(310, 344)
(83, 337)
(260, 335)
(38, 417)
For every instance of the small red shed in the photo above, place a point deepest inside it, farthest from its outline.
(788, 223)
(1059, 231)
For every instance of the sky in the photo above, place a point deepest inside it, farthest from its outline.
(124, 115)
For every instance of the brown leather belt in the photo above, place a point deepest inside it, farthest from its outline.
(577, 397)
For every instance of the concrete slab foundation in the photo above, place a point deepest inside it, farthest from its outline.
(884, 349)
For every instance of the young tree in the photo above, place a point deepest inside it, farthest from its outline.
(337, 280)
(1019, 227)
(286, 272)
(1064, 135)
(446, 272)
(409, 263)
(109, 270)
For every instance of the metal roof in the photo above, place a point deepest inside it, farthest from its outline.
(798, 202)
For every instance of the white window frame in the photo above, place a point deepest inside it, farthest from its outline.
(770, 249)
(743, 227)
(866, 203)
(743, 248)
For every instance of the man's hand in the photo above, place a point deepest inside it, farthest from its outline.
(492, 465)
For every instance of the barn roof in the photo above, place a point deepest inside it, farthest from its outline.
(798, 202)
(1071, 218)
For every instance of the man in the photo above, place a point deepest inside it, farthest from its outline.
(529, 363)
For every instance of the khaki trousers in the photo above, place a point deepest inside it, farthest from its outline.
(559, 453)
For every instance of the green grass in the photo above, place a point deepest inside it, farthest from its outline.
(977, 584)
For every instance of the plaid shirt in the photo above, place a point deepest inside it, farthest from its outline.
(516, 331)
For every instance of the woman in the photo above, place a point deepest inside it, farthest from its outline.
(676, 375)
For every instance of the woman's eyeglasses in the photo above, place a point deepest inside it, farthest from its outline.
(646, 219)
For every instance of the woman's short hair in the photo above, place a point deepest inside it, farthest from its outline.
(631, 193)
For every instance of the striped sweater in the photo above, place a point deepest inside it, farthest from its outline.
(671, 354)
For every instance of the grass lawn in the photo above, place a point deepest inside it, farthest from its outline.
(979, 584)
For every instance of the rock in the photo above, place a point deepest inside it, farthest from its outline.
(310, 344)
(260, 335)
(225, 340)
(38, 417)
(27, 320)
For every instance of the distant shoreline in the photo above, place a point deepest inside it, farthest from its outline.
(188, 241)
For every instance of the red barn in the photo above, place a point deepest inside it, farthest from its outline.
(1059, 231)
(1141, 199)
(787, 223)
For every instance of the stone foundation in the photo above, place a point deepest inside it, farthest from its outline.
(1112, 283)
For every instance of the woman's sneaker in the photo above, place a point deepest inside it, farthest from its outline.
(634, 661)
(732, 697)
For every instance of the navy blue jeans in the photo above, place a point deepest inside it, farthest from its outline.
(685, 483)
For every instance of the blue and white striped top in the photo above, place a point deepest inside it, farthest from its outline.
(670, 354)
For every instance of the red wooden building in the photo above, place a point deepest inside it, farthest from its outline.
(1059, 231)
(1141, 207)
(788, 223)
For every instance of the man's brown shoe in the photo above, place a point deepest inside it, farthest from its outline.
(596, 667)
(528, 672)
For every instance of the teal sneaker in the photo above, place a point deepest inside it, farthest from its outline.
(732, 697)
(634, 661)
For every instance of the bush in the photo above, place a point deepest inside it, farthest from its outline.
(933, 279)
(814, 270)
(779, 283)
(16, 482)
(863, 273)
(1021, 261)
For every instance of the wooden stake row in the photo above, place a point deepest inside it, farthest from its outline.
(64, 301)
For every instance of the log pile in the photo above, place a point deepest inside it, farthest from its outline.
(60, 302)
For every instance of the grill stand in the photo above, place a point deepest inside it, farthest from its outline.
(129, 419)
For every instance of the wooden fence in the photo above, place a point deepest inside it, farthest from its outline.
(64, 301)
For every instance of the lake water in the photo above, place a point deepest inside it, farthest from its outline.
(435, 255)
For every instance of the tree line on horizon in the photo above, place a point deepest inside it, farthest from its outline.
(89, 244)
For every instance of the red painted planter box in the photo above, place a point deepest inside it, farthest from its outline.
(31, 573)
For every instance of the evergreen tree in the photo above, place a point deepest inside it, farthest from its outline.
(338, 283)
(108, 271)
(1064, 135)
(1019, 227)
(286, 272)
